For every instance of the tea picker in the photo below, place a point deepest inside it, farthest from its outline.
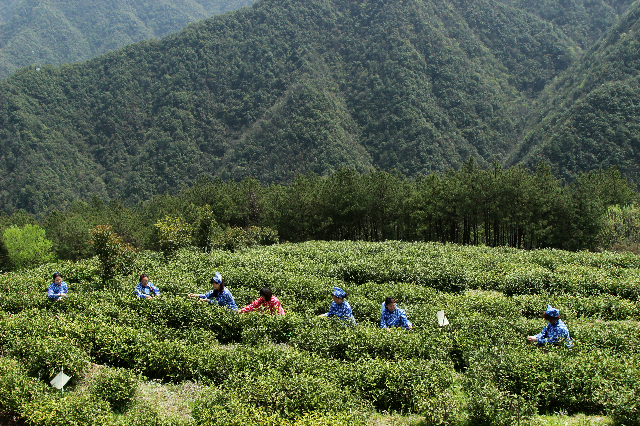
(340, 308)
(392, 316)
(554, 332)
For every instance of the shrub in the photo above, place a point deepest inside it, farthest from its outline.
(623, 405)
(234, 238)
(489, 406)
(406, 385)
(117, 386)
(27, 247)
(621, 227)
(149, 415)
(70, 410)
(16, 388)
(117, 345)
(619, 394)
(218, 408)
(353, 418)
(173, 360)
(173, 233)
(45, 357)
(289, 395)
(256, 328)
(205, 226)
(115, 256)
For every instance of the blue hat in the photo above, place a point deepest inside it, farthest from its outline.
(552, 312)
(338, 292)
(217, 278)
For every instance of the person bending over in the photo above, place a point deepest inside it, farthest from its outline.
(340, 308)
(266, 301)
(220, 294)
(554, 332)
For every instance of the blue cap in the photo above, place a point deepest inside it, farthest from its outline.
(217, 278)
(552, 312)
(338, 292)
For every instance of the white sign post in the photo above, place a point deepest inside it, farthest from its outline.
(59, 381)
(442, 320)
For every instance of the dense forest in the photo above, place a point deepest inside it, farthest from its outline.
(37, 32)
(285, 88)
(471, 206)
(589, 116)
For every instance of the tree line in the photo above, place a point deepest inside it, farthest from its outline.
(473, 206)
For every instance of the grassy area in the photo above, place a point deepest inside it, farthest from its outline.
(577, 420)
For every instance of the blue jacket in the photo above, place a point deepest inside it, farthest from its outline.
(223, 298)
(342, 311)
(554, 333)
(141, 291)
(397, 318)
(55, 290)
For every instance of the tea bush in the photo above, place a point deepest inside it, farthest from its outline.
(489, 406)
(117, 386)
(292, 394)
(70, 410)
(16, 387)
(404, 385)
(300, 369)
(46, 356)
(555, 380)
(216, 407)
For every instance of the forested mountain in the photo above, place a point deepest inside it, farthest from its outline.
(588, 118)
(582, 21)
(38, 32)
(6, 7)
(282, 88)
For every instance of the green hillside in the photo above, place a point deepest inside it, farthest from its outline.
(584, 21)
(278, 89)
(39, 32)
(589, 117)
(6, 7)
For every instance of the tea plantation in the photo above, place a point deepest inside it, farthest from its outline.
(298, 369)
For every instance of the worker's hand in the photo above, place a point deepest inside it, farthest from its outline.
(147, 296)
(205, 300)
(409, 326)
(192, 295)
(532, 339)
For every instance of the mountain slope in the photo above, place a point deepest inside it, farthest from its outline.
(277, 89)
(590, 117)
(37, 32)
(584, 21)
